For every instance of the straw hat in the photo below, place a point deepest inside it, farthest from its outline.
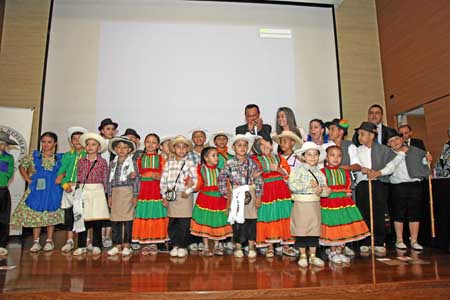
(291, 135)
(311, 146)
(124, 139)
(250, 138)
(94, 136)
(191, 132)
(213, 136)
(74, 129)
(165, 139)
(180, 139)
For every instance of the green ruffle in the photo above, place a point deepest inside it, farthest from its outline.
(274, 211)
(341, 216)
(152, 209)
(209, 218)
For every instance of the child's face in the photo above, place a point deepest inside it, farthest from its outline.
(75, 141)
(334, 132)
(181, 150)
(281, 119)
(395, 143)
(311, 157)
(134, 139)
(199, 138)
(266, 147)
(151, 144)
(221, 141)
(365, 137)
(92, 146)
(165, 147)
(108, 132)
(212, 158)
(315, 130)
(48, 144)
(122, 149)
(286, 144)
(2, 147)
(334, 157)
(240, 147)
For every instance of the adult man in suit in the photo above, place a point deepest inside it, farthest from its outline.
(406, 132)
(375, 116)
(254, 123)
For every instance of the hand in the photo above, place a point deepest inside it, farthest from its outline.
(318, 191)
(365, 170)
(258, 202)
(188, 182)
(28, 180)
(134, 201)
(68, 189)
(184, 195)
(259, 124)
(110, 202)
(373, 174)
(58, 180)
(328, 190)
(314, 184)
(133, 175)
(429, 157)
(256, 174)
(165, 203)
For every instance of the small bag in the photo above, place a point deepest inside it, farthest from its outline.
(171, 194)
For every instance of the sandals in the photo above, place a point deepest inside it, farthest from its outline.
(290, 252)
(150, 250)
(206, 252)
(270, 253)
(218, 251)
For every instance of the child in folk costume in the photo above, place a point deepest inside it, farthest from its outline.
(6, 173)
(41, 204)
(164, 146)
(150, 220)
(67, 178)
(341, 220)
(307, 185)
(176, 196)
(273, 223)
(220, 140)
(288, 142)
(209, 218)
(247, 188)
(123, 190)
(91, 209)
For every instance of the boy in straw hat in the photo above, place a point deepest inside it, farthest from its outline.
(245, 179)
(177, 197)
(67, 177)
(220, 140)
(308, 184)
(123, 190)
(288, 142)
(92, 172)
(6, 173)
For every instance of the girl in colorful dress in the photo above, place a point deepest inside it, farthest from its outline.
(209, 218)
(220, 140)
(41, 204)
(150, 221)
(273, 223)
(341, 220)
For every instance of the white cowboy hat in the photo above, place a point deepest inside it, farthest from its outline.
(94, 136)
(74, 129)
(180, 139)
(250, 138)
(124, 139)
(165, 139)
(191, 132)
(213, 136)
(311, 146)
(291, 135)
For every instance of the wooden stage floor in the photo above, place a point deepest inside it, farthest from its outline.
(52, 275)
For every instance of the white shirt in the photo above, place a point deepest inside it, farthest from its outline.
(400, 174)
(106, 155)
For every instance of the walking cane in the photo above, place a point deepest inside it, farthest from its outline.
(430, 191)
(372, 239)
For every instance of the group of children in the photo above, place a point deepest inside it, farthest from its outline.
(234, 189)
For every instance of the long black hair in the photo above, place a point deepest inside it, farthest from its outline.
(205, 153)
(290, 118)
(147, 136)
(54, 137)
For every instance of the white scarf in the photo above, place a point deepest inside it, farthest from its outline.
(127, 168)
(237, 205)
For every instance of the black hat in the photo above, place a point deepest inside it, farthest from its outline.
(107, 122)
(342, 124)
(131, 131)
(391, 132)
(367, 126)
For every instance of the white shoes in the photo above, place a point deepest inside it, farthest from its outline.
(113, 251)
(125, 251)
(348, 251)
(380, 249)
(174, 252)
(251, 253)
(107, 242)
(96, 251)
(36, 247)
(79, 251)
(67, 247)
(3, 251)
(416, 246)
(201, 246)
(229, 246)
(315, 261)
(335, 258)
(303, 261)
(49, 246)
(345, 259)
(364, 249)
(400, 245)
(193, 247)
(238, 253)
(182, 252)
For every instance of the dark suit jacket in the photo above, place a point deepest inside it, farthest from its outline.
(264, 132)
(384, 141)
(417, 143)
